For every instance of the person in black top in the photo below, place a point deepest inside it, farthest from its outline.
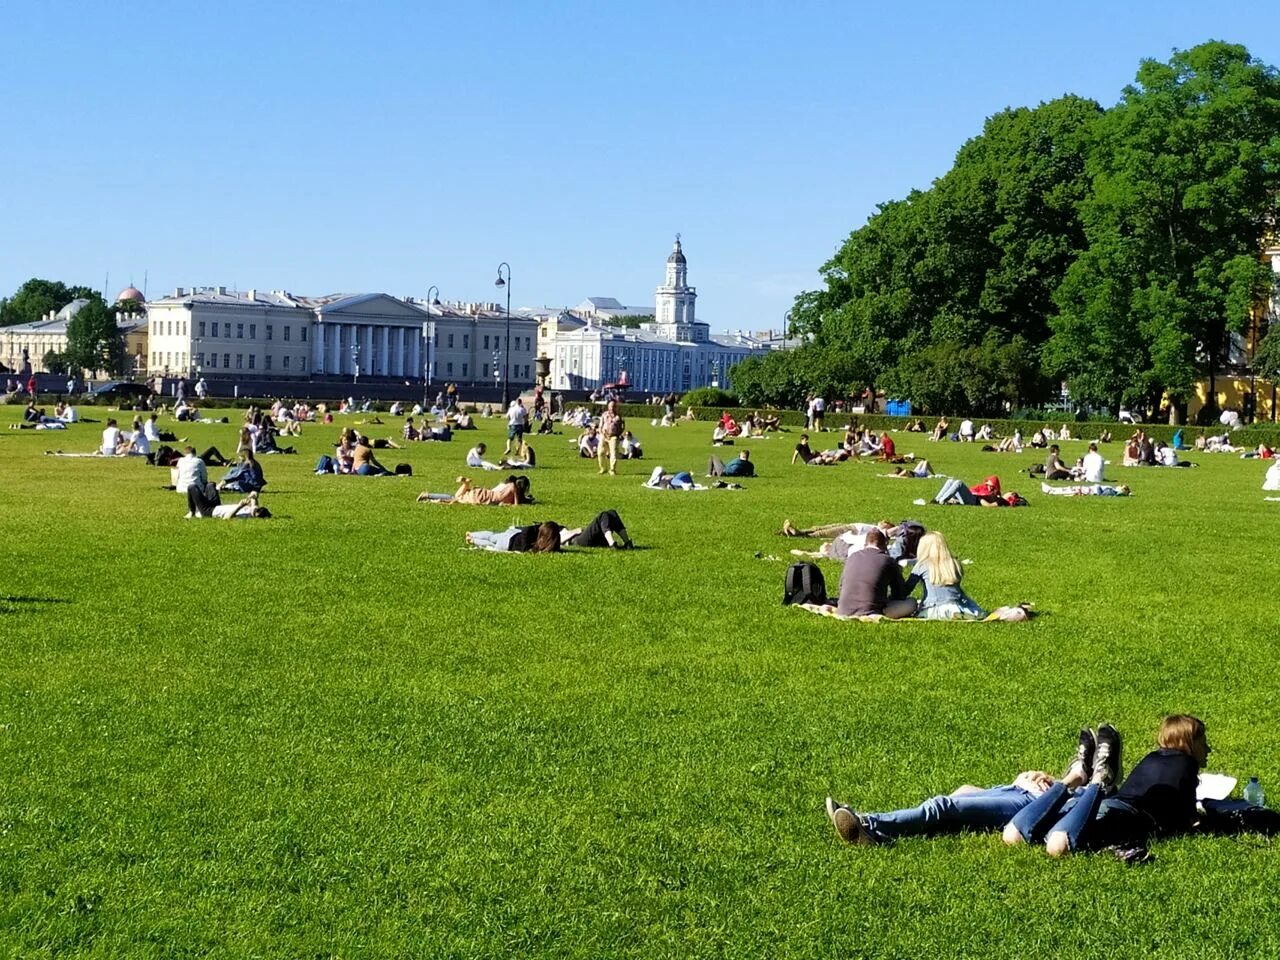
(1158, 798)
(606, 530)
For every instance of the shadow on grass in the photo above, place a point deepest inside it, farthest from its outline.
(13, 604)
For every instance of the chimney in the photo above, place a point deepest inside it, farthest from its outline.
(222, 291)
(253, 294)
(179, 292)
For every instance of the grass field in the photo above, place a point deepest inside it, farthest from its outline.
(338, 733)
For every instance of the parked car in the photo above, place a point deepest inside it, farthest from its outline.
(120, 391)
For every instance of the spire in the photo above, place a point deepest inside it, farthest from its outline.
(677, 255)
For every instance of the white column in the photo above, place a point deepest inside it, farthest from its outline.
(335, 349)
(415, 352)
(366, 349)
(384, 360)
(317, 349)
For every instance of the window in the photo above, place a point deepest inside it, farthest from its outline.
(169, 327)
(253, 331)
(226, 331)
(526, 344)
(213, 360)
(286, 359)
(486, 341)
(287, 331)
(497, 345)
(484, 370)
(239, 331)
(464, 369)
(436, 339)
(435, 369)
(251, 359)
(200, 359)
(182, 329)
(466, 343)
(303, 332)
(266, 362)
(226, 361)
(239, 361)
(302, 361)
(451, 341)
(268, 331)
(202, 328)
(448, 367)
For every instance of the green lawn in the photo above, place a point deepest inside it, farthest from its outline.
(338, 733)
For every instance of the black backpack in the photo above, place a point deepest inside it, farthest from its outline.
(804, 584)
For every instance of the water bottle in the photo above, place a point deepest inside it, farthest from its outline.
(1253, 794)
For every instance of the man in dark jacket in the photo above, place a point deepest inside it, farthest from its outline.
(872, 583)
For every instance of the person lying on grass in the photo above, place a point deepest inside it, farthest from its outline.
(534, 538)
(920, 471)
(1157, 799)
(739, 466)
(510, 492)
(845, 538)
(968, 808)
(1087, 490)
(985, 494)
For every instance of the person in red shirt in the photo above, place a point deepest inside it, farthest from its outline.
(888, 450)
(985, 494)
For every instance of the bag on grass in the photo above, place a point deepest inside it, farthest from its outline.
(404, 470)
(804, 584)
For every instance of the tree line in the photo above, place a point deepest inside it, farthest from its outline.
(94, 340)
(1115, 251)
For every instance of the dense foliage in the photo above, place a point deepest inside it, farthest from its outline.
(36, 297)
(1110, 250)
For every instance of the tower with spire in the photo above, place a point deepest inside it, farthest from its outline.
(674, 311)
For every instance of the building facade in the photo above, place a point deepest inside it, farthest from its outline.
(29, 343)
(223, 334)
(675, 353)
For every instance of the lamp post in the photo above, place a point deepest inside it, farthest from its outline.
(497, 374)
(433, 300)
(506, 363)
(355, 364)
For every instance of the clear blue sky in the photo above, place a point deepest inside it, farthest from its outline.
(389, 146)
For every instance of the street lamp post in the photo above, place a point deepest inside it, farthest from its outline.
(355, 364)
(433, 300)
(497, 373)
(506, 363)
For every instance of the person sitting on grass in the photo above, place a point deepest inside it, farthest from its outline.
(1054, 468)
(476, 460)
(940, 573)
(588, 443)
(872, 585)
(985, 494)
(534, 538)
(364, 463)
(245, 476)
(410, 432)
(512, 491)
(523, 458)
(1157, 799)
(1087, 490)
(739, 466)
(888, 451)
(629, 448)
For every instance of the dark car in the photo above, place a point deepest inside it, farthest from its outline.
(121, 391)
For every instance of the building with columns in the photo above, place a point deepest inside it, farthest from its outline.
(225, 334)
(675, 353)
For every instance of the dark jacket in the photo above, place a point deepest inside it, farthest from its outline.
(871, 579)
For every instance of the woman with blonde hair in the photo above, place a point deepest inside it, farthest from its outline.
(940, 572)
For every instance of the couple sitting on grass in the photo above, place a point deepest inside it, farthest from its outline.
(1092, 807)
(606, 530)
(872, 585)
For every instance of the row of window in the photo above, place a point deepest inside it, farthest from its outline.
(287, 363)
(170, 327)
(497, 342)
(212, 327)
(517, 371)
(173, 361)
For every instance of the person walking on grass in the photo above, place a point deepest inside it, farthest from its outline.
(517, 424)
(611, 428)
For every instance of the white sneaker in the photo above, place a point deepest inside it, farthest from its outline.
(189, 515)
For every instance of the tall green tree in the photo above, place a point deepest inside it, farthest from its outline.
(37, 297)
(1184, 171)
(94, 341)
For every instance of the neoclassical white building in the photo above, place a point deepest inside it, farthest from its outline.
(677, 352)
(219, 333)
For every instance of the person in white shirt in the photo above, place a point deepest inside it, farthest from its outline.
(476, 460)
(191, 471)
(151, 430)
(139, 446)
(110, 440)
(1093, 465)
(69, 414)
(246, 509)
(517, 423)
(966, 430)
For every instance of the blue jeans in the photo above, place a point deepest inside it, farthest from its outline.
(369, 470)
(956, 489)
(986, 810)
(1089, 821)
